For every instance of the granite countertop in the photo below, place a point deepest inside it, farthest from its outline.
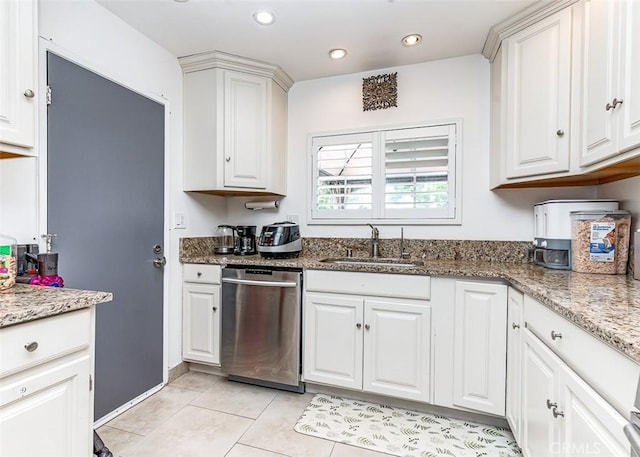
(607, 306)
(24, 303)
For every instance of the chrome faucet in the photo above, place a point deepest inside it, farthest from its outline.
(403, 254)
(374, 241)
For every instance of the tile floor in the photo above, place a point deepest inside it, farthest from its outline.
(205, 415)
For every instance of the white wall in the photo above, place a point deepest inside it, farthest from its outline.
(452, 88)
(628, 192)
(99, 40)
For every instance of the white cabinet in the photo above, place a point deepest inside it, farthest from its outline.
(18, 77)
(333, 340)
(562, 415)
(201, 311)
(46, 397)
(479, 342)
(611, 69)
(235, 113)
(531, 101)
(573, 388)
(515, 324)
(371, 343)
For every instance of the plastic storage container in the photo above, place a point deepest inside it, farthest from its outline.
(8, 261)
(600, 241)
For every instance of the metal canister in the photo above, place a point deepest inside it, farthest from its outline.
(48, 264)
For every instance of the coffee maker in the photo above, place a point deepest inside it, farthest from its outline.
(245, 240)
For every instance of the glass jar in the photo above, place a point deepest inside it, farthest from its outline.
(8, 261)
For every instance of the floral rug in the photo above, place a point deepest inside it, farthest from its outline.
(402, 432)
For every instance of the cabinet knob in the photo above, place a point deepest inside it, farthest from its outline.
(367, 326)
(557, 413)
(555, 335)
(29, 93)
(228, 159)
(30, 347)
(515, 326)
(215, 308)
(358, 326)
(560, 132)
(551, 404)
(199, 274)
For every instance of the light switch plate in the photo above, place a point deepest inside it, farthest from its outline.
(179, 221)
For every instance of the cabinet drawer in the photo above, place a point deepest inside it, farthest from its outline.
(613, 375)
(375, 284)
(209, 274)
(55, 337)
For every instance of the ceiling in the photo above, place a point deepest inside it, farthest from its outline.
(305, 30)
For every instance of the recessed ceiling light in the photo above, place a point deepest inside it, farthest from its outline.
(264, 17)
(412, 40)
(337, 53)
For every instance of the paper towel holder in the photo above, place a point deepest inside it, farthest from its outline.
(271, 204)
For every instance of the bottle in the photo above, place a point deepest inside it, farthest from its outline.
(8, 261)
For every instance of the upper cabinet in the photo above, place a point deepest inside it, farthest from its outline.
(18, 28)
(563, 109)
(235, 115)
(611, 65)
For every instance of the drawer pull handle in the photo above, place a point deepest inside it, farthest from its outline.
(555, 335)
(515, 326)
(551, 404)
(31, 346)
(557, 413)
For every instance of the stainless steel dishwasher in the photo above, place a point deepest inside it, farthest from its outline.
(261, 326)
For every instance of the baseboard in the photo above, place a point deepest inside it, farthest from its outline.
(206, 369)
(408, 404)
(177, 371)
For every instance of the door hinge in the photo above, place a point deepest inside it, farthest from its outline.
(48, 95)
(90, 383)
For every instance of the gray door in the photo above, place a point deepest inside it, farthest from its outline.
(106, 204)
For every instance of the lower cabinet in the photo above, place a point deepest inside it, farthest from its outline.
(561, 414)
(515, 326)
(201, 311)
(380, 346)
(46, 386)
(357, 335)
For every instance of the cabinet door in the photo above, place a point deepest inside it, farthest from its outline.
(397, 349)
(540, 368)
(590, 426)
(333, 340)
(46, 411)
(245, 131)
(600, 72)
(201, 323)
(17, 73)
(629, 111)
(514, 360)
(480, 346)
(538, 97)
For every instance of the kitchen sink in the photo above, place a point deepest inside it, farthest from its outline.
(374, 262)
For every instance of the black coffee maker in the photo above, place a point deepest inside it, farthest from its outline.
(245, 240)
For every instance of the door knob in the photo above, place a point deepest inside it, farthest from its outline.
(30, 347)
(560, 132)
(358, 326)
(160, 262)
(29, 93)
(228, 159)
(367, 326)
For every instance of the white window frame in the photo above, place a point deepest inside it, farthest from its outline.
(378, 215)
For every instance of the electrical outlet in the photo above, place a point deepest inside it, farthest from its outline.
(293, 218)
(179, 221)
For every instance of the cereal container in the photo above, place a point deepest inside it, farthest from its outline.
(600, 241)
(8, 261)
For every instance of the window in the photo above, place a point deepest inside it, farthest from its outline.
(402, 174)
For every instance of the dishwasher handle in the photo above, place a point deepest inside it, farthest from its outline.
(633, 434)
(252, 282)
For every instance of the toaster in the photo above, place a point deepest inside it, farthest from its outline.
(280, 240)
